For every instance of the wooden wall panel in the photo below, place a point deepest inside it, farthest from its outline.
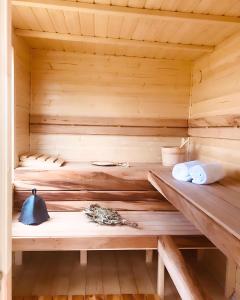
(90, 147)
(21, 95)
(215, 106)
(74, 85)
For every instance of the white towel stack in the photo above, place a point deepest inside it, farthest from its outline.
(198, 172)
(181, 171)
(207, 173)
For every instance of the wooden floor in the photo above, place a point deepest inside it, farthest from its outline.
(107, 273)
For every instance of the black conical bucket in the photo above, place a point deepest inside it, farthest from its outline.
(34, 210)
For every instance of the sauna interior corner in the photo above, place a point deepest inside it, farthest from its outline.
(117, 80)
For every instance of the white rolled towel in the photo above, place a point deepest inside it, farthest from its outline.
(181, 171)
(207, 173)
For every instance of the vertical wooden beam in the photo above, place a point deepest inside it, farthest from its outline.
(18, 258)
(6, 116)
(83, 257)
(149, 256)
(160, 277)
(230, 281)
(177, 269)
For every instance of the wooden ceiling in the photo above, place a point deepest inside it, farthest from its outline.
(173, 29)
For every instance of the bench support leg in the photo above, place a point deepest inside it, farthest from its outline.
(149, 256)
(160, 278)
(174, 262)
(83, 257)
(18, 258)
(230, 282)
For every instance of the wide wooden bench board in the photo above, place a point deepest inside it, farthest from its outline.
(213, 209)
(77, 185)
(84, 176)
(74, 231)
(76, 224)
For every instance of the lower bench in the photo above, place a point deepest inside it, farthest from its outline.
(74, 231)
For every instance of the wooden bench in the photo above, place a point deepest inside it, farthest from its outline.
(68, 190)
(214, 209)
(73, 231)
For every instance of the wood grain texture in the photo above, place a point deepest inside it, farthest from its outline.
(193, 202)
(224, 151)
(64, 243)
(62, 36)
(107, 121)
(22, 96)
(228, 133)
(84, 177)
(87, 148)
(108, 130)
(69, 195)
(215, 103)
(73, 87)
(121, 10)
(131, 28)
(117, 274)
(78, 200)
(176, 266)
(73, 231)
(215, 121)
(117, 205)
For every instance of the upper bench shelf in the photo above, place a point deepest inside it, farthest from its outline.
(214, 209)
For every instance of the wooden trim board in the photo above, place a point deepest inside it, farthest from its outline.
(215, 121)
(111, 41)
(107, 130)
(107, 121)
(108, 126)
(28, 244)
(71, 195)
(6, 121)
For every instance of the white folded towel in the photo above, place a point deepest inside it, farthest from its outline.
(181, 171)
(207, 173)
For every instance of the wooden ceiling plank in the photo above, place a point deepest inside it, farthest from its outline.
(120, 10)
(72, 22)
(87, 24)
(101, 25)
(43, 19)
(58, 20)
(18, 21)
(110, 41)
(114, 26)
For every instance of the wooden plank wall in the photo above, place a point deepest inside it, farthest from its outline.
(214, 120)
(75, 86)
(22, 95)
(215, 106)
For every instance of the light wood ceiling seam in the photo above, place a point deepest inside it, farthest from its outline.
(110, 41)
